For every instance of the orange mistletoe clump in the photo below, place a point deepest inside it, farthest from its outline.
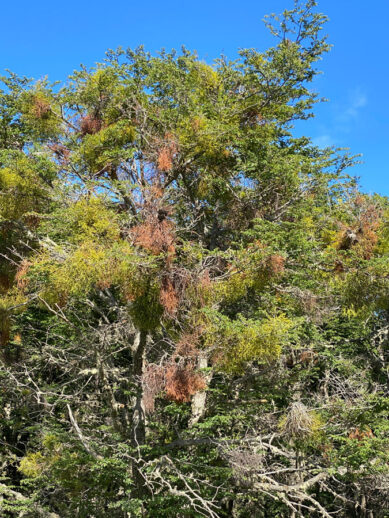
(155, 235)
(370, 221)
(359, 435)
(187, 346)
(166, 154)
(168, 297)
(173, 286)
(60, 150)
(165, 160)
(17, 338)
(41, 108)
(31, 220)
(177, 377)
(90, 125)
(275, 264)
(252, 117)
(363, 237)
(182, 382)
(21, 275)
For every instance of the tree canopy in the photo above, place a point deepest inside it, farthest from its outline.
(193, 300)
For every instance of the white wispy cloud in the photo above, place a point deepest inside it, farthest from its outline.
(342, 120)
(323, 141)
(357, 101)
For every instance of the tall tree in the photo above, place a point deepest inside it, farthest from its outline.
(193, 301)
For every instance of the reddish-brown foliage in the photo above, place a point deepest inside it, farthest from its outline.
(165, 160)
(362, 236)
(359, 435)
(177, 377)
(21, 275)
(32, 220)
(307, 357)
(41, 108)
(252, 117)
(17, 338)
(90, 124)
(60, 150)
(104, 284)
(166, 154)
(182, 382)
(205, 279)
(5, 328)
(339, 267)
(187, 347)
(168, 296)
(155, 235)
(303, 358)
(275, 264)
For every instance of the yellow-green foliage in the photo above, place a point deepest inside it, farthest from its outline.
(32, 465)
(93, 266)
(83, 269)
(201, 136)
(40, 112)
(146, 310)
(90, 219)
(11, 300)
(367, 288)
(205, 76)
(253, 269)
(105, 147)
(21, 189)
(98, 87)
(233, 288)
(244, 340)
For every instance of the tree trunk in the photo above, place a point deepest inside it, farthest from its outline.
(199, 400)
(138, 424)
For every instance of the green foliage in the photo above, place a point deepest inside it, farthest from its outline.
(245, 340)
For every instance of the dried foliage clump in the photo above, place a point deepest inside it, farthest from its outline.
(298, 421)
(155, 236)
(41, 108)
(173, 287)
(168, 297)
(177, 377)
(90, 124)
(153, 381)
(187, 346)
(370, 221)
(252, 117)
(182, 379)
(182, 382)
(360, 435)
(245, 463)
(155, 233)
(61, 151)
(5, 282)
(275, 264)
(363, 235)
(21, 275)
(166, 154)
(5, 327)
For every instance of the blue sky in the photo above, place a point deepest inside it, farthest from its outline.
(52, 38)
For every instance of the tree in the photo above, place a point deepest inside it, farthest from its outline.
(193, 301)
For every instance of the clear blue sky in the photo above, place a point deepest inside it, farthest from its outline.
(41, 37)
